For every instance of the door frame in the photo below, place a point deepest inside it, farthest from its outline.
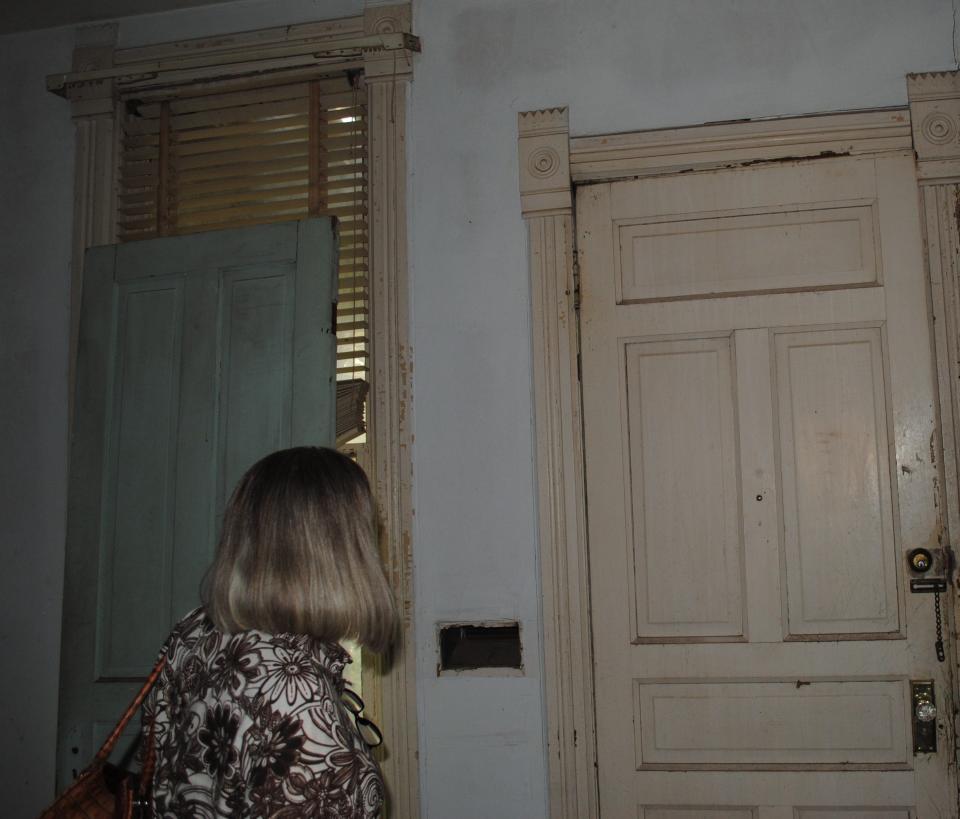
(381, 44)
(551, 163)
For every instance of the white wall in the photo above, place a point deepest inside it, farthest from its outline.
(36, 187)
(619, 65)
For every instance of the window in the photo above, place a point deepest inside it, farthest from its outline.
(379, 44)
(234, 154)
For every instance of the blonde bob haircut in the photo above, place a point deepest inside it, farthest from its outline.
(299, 553)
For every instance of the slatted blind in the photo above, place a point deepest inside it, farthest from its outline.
(213, 159)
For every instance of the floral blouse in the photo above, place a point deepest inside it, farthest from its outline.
(251, 725)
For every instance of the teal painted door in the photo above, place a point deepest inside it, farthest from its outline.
(198, 354)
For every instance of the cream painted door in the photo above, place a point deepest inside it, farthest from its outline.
(759, 410)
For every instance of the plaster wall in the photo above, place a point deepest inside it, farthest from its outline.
(36, 204)
(619, 65)
(36, 181)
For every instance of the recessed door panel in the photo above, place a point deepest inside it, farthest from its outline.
(838, 508)
(684, 488)
(823, 723)
(749, 251)
(137, 536)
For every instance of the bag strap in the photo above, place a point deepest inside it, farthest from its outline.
(145, 783)
(111, 740)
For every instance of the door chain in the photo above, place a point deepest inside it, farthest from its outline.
(941, 655)
(921, 561)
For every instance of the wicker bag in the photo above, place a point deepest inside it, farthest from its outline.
(104, 791)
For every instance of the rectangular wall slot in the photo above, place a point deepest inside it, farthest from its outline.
(478, 646)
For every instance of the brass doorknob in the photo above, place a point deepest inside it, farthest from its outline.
(920, 560)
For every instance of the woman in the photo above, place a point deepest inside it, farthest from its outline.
(249, 716)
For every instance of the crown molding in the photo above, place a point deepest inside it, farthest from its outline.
(333, 45)
(323, 32)
(647, 153)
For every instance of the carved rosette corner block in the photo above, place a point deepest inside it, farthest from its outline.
(935, 117)
(395, 19)
(544, 147)
(380, 63)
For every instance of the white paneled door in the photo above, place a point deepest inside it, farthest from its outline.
(760, 427)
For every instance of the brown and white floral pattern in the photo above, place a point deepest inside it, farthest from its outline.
(251, 725)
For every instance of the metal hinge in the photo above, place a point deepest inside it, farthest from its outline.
(576, 285)
(576, 313)
(956, 735)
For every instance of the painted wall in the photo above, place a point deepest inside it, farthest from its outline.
(619, 65)
(36, 188)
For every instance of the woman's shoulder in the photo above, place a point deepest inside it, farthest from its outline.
(193, 621)
(332, 658)
(191, 627)
(327, 658)
(186, 633)
(293, 668)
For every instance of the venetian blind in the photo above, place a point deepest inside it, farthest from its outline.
(206, 160)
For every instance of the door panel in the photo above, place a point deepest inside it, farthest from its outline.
(730, 724)
(819, 813)
(759, 399)
(803, 248)
(198, 355)
(841, 561)
(255, 390)
(681, 439)
(138, 505)
(696, 813)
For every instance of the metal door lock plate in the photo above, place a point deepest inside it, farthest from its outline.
(928, 585)
(924, 709)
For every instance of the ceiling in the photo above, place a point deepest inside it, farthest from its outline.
(24, 15)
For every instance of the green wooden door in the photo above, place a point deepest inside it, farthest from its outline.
(198, 355)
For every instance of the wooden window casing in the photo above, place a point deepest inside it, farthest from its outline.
(380, 44)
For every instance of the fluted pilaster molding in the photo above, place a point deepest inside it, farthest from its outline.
(387, 76)
(547, 206)
(935, 121)
(95, 164)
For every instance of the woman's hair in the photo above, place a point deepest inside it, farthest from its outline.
(299, 553)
